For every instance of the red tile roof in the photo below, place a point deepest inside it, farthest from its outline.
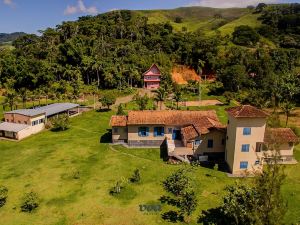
(202, 126)
(169, 117)
(189, 132)
(118, 121)
(247, 111)
(280, 135)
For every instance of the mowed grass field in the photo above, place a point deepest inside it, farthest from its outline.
(72, 173)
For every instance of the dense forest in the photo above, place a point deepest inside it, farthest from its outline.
(112, 50)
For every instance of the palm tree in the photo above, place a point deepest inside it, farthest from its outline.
(160, 96)
(177, 97)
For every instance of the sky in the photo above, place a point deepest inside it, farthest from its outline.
(33, 15)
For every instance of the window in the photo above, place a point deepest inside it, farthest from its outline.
(245, 148)
(116, 130)
(257, 162)
(210, 143)
(159, 131)
(170, 130)
(41, 121)
(198, 142)
(36, 122)
(243, 165)
(259, 146)
(223, 141)
(143, 131)
(291, 144)
(227, 121)
(247, 131)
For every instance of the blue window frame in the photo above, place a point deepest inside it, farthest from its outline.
(243, 165)
(245, 148)
(210, 143)
(143, 131)
(159, 131)
(247, 131)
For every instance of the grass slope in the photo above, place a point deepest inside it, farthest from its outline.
(194, 18)
(72, 172)
(249, 19)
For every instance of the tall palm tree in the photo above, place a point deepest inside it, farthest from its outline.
(160, 96)
(177, 97)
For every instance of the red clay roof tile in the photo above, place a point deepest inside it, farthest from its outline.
(280, 135)
(247, 111)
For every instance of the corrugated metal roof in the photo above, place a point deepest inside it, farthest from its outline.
(13, 127)
(49, 110)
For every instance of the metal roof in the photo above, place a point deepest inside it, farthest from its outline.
(12, 127)
(49, 110)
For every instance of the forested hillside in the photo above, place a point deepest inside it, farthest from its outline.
(257, 62)
(10, 37)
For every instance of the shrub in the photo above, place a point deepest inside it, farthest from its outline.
(136, 177)
(178, 19)
(121, 111)
(30, 202)
(116, 189)
(245, 35)
(61, 122)
(3, 195)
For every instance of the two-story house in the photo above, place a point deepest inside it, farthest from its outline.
(152, 77)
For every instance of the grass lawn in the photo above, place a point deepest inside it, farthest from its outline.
(72, 173)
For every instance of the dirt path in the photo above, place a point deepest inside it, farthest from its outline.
(202, 103)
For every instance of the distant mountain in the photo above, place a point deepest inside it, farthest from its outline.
(4, 37)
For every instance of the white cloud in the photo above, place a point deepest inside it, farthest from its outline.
(229, 3)
(80, 8)
(9, 3)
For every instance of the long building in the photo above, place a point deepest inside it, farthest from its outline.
(22, 123)
(194, 134)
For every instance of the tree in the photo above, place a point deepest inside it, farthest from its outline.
(233, 77)
(259, 202)
(177, 97)
(61, 122)
(160, 96)
(287, 107)
(177, 182)
(259, 8)
(141, 101)
(245, 35)
(271, 206)
(107, 100)
(188, 204)
(120, 111)
(239, 205)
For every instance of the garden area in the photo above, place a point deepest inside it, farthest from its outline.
(72, 173)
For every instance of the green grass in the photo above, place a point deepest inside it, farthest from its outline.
(248, 19)
(46, 163)
(194, 18)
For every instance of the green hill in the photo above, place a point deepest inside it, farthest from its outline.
(199, 18)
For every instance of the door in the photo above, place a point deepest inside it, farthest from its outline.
(176, 135)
